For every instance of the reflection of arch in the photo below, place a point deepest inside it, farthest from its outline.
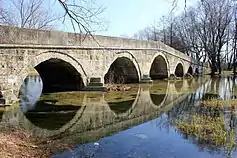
(179, 72)
(51, 117)
(190, 70)
(125, 107)
(122, 70)
(53, 59)
(158, 93)
(178, 85)
(48, 132)
(159, 67)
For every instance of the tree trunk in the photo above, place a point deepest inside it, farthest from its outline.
(219, 63)
(213, 66)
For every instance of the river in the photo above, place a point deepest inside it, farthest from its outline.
(164, 119)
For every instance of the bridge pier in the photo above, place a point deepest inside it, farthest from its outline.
(146, 79)
(95, 84)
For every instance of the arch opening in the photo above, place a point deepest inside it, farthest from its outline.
(122, 70)
(58, 76)
(190, 70)
(196, 71)
(179, 70)
(159, 68)
(1, 113)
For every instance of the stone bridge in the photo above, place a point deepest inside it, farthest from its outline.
(68, 61)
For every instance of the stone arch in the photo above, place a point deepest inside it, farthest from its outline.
(54, 56)
(179, 69)
(127, 66)
(159, 66)
(190, 70)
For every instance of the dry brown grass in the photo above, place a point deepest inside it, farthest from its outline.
(207, 129)
(20, 144)
(217, 103)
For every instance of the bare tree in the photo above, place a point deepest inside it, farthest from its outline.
(26, 14)
(37, 14)
(235, 40)
(83, 15)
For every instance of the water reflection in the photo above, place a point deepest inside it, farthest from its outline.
(158, 92)
(178, 85)
(173, 107)
(57, 112)
(210, 128)
(122, 102)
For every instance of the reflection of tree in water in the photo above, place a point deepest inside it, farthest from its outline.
(207, 127)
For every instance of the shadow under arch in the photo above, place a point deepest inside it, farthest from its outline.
(196, 71)
(190, 70)
(59, 72)
(179, 72)
(1, 113)
(123, 103)
(158, 93)
(159, 68)
(122, 70)
(58, 75)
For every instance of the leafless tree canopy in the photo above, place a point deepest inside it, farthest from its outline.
(43, 14)
(83, 15)
(26, 14)
(205, 32)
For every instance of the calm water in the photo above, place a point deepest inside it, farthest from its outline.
(142, 122)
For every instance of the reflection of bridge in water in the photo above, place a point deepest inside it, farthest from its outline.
(98, 118)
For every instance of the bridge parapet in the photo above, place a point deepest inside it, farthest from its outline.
(14, 35)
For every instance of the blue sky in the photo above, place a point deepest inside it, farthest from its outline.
(126, 17)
